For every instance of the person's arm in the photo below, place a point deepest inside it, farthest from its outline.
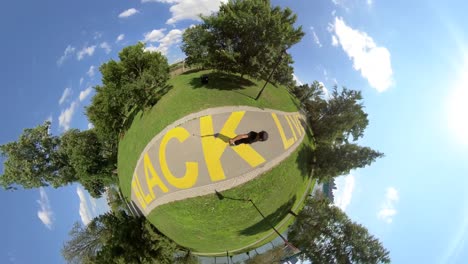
(231, 141)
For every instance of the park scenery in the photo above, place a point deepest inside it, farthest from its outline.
(159, 150)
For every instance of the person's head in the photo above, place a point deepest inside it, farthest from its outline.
(262, 136)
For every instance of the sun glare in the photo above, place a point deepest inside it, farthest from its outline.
(457, 109)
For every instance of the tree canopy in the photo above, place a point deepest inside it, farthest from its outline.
(118, 238)
(326, 235)
(245, 37)
(87, 160)
(336, 160)
(33, 160)
(39, 159)
(337, 119)
(132, 84)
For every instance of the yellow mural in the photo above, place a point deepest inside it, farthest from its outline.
(212, 149)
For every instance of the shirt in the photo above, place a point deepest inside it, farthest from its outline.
(251, 139)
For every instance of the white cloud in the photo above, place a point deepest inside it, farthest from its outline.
(189, 9)
(337, 2)
(106, 47)
(91, 207)
(66, 93)
(173, 37)
(128, 13)
(151, 48)
(67, 115)
(45, 213)
(85, 213)
(334, 41)
(155, 35)
(90, 72)
(85, 93)
(120, 38)
(68, 51)
(372, 61)
(296, 79)
(344, 191)
(342, 3)
(316, 38)
(85, 51)
(387, 210)
(90, 126)
(81, 80)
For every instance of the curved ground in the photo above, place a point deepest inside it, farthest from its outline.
(208, 224)
(192, 156)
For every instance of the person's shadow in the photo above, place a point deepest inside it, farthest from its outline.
(220, 136)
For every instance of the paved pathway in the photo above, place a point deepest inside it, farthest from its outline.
(192, 156)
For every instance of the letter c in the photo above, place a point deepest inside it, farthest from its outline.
(191, 168)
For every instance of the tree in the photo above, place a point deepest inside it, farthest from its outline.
(312, 96)
(39, 159)
(88, 160)
(245, 37)
(284, 73)
(33, 161)
(85, 243)
(336, 160)
(195, 43)
(115, 200)
(338, 119)
(326, 235)
(118, 238)
(130, 85)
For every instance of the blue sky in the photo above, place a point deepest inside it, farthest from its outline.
(410, 60)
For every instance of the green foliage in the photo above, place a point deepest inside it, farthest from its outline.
(85, 243)
(195, 45)
(337, 119)
(33, 161)
(40, 159)
(115, 200)
(86, 156)
(326, 235)
(311, 96)
(245, 37)
(182, 221)
(336, 160)
(130, 85)
(118, 238)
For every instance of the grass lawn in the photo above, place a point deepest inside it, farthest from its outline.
(207, 224)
